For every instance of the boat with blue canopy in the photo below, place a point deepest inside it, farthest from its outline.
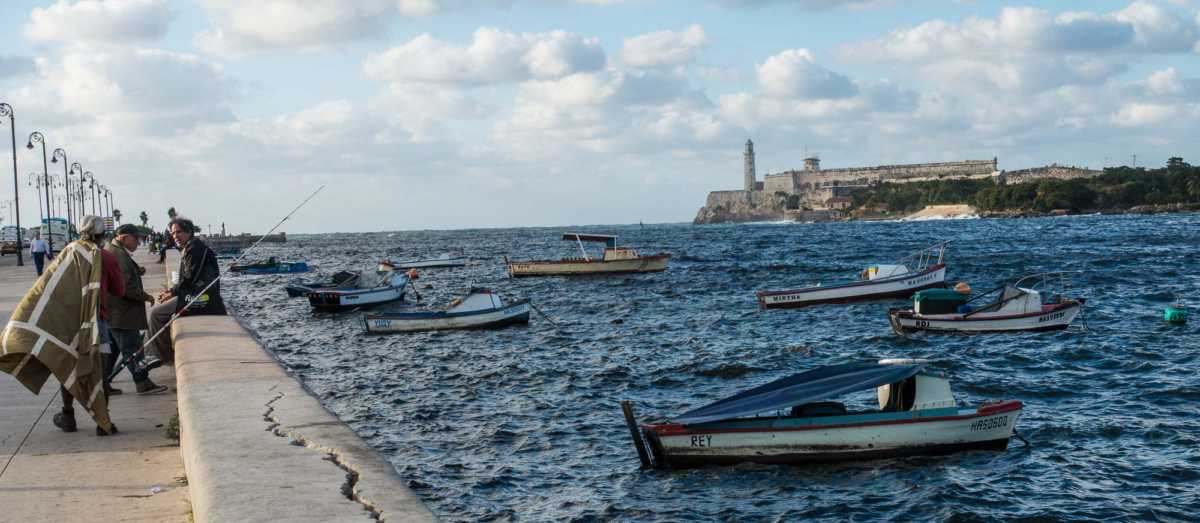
(270, 266)
(793, 420)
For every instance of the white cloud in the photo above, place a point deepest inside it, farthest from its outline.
(1158, 29)
(243, 27)
(794, 74)
(813, 5)
(1142, 114)
(114, 21)
(664, 48)
(493, 56)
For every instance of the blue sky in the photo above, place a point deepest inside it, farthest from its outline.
(458, 113)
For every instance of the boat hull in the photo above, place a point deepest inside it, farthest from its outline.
(1055, 318)
(514, 313)
(887, 288)
(339, 300)
(580, 267)
(826, 439)
(282, 268)
(429, 264)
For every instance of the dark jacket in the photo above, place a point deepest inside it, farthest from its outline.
(128, 311)
(197, 269)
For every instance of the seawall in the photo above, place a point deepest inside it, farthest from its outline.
(259, 447)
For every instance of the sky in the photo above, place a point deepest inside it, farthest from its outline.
(446, 114)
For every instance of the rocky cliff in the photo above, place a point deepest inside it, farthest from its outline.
(742, 206)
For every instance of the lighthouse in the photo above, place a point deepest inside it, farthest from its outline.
(748, 166)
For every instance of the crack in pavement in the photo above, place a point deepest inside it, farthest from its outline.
(350, 486)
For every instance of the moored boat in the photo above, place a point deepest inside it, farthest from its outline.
(1030, 304)
(614, 260)
(342, 279)
(368, 289)
(924, 269)
(444, 260)
(479, 309)
(270, 266)
(917, 415)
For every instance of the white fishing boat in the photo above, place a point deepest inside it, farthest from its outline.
(368, 289)
(924, 269)
(614, 260)
(445, 260)
(1034, 303)
(479, 309)
(791, 421)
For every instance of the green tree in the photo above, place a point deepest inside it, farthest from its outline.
(144, 217)
(171, 213)
(117, 215)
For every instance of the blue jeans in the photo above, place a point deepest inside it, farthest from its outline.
(128, 341)
(39, 261)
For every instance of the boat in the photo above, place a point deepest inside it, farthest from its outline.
(614, 260)
(368, 289)
(342, 279)
(924, 269)
(479, 309)
(792, 420)
(444, 260)
(1029, 304)
(270, 266)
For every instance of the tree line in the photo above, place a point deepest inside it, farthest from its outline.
(1115, 188)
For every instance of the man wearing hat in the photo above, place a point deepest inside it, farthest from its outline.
(127, 314)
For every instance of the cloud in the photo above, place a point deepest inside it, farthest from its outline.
(11, 66)
(794, 74)
(243, 27)
(493, 56)
(113, 21)
(664, 48)
(812, 5)
(1142, 114)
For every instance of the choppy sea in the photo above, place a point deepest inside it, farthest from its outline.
(523, 424)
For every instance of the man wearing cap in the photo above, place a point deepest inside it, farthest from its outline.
(127, 314)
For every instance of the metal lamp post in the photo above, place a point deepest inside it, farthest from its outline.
(7, 110)
(61, 153)
(39, 138)
(78, 170)
(35, 181)
(92, 184)
(108, 196)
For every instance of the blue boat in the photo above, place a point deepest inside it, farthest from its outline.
(271, 266)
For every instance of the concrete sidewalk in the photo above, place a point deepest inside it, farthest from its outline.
(136, 475)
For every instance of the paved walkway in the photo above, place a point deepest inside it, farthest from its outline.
(136, 475)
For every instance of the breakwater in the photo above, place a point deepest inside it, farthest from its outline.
(523, 423)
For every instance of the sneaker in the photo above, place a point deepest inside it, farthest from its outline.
(149, 364)
(65, 421)
(101, 432)
(149, 387)
(113, 391)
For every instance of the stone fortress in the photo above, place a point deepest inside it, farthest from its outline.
(788, 194)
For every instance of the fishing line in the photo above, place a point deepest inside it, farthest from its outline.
(26, 438)
(544, 315)
(227, 271)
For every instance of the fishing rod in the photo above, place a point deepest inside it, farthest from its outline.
(193, 299)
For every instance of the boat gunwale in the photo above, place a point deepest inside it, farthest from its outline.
(889, 279)
(909, 314)
(661, 255)
(440, 314)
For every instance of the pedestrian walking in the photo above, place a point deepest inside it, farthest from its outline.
(40, 251)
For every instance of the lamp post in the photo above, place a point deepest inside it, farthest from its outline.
(92, 184)
(7, 110)
(35, 181)
(61, 153)
(39, 138)
(78, 170)
(108, 196)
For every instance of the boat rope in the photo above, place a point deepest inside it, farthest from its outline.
(218, 278)
(1022, 438)
(544, 315)
(30, 431)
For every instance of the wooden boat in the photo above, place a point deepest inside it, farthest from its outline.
(479, 309)
(341, 279)
(917, 415)
(615, 260)
(444, 260)
(368, 289)
(1027, 305)
(270, 266)
(921, 270)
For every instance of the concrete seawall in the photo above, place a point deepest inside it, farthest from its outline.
(259, 447)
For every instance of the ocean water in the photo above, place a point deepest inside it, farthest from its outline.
(523, 423)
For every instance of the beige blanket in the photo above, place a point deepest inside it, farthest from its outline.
(54, 330)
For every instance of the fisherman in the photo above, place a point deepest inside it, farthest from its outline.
(54, 330)
(127, 314)
(197, 269)
(40, 251)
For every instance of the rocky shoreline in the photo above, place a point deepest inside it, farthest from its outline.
(775, 210)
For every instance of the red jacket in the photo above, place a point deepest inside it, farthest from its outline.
(111, 280)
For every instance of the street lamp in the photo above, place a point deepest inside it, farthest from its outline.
(35, 181)
(78, 170)
(92, 184)
(61, 153)
(7, 110)
(39, 138)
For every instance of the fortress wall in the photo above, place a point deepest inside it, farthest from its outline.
(784, 182)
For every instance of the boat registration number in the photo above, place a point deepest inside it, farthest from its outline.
(1051, 317)
(701, 441)
(989, 424)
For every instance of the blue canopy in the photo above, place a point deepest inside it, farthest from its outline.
(814, 385)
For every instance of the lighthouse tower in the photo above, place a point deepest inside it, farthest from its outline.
(748, 166)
